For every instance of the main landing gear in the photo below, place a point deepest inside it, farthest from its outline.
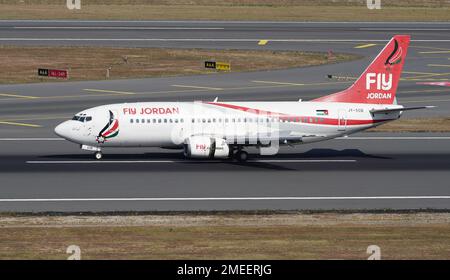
(240, 155)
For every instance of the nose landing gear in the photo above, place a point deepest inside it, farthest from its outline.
(98, 155)
(98, 152)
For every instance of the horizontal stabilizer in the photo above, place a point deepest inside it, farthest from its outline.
(379, 111)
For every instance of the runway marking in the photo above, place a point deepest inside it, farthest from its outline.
(431, 52)
(438, 65)
(18, 96)
(262, 198)
(38, 118)
(424, 79)
(32, 139)
(113, 94)
(198, 87)
(231, 21)
(188, 161)
(425, 90)
(212, 40)
(423, 75)
(365, 46)
(422, 101)
(278, 83)
(119, 27)
(20, 124)
(108, 91)
(404, 29)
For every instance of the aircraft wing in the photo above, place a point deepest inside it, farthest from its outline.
(283, 137)
(377, 111)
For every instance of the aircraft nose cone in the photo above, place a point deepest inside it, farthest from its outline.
(62, 130)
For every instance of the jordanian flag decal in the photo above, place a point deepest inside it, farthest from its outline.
(322, 112)
(110, 130)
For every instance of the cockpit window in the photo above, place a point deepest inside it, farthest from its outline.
(82, 118)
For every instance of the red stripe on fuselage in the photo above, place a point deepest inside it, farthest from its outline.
(115, 126)
(293, 118)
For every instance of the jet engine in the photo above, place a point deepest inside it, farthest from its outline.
(206, 147)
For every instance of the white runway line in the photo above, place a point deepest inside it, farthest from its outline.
(187, 161)
(118, 27)
(226, 22)
(404, 29)
(221, 198)
(209, 40)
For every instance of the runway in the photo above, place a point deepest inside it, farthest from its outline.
(367, 171)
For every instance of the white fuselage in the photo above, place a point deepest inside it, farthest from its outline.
(169, 124)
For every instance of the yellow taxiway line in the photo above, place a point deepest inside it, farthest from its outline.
(431, 52)
(365, 46)
(18, 96)
(108, 91)
(425, 90)
(20, 124)
(198, 87)
(438, 65)
(278, 83)
(431, 100)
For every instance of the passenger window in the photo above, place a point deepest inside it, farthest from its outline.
(137, 120)
(131, 120)
(182, 120)
(159, 120)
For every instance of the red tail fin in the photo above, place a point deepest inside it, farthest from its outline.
(378, 84)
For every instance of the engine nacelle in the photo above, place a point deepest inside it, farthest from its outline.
(206, 147)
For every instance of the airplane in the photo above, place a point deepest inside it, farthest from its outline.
(223, 130)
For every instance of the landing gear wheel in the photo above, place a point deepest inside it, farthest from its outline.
(98, 155)
(242, 156)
